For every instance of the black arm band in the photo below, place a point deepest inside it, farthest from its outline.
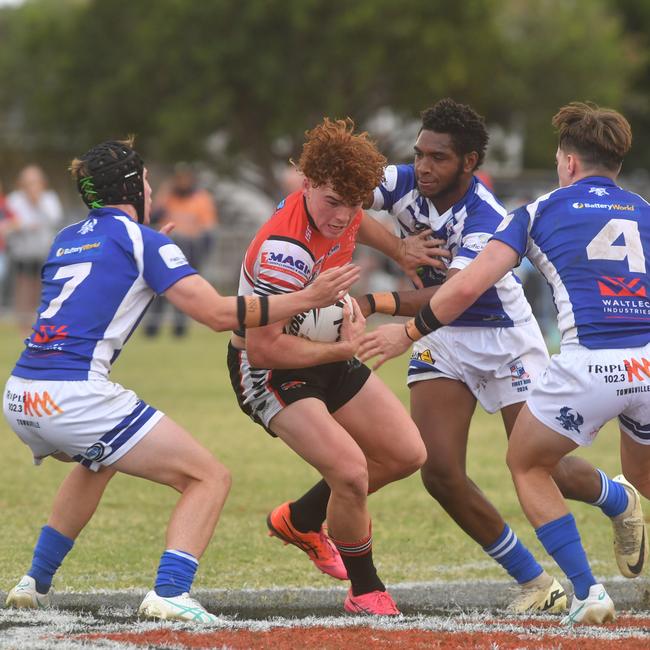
(241, 312)
(372, 303)
(426, 320)
(398, 303)
(264, 310)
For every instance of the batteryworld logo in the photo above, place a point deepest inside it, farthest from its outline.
(621, 287)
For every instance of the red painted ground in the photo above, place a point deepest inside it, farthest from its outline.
(361, 638)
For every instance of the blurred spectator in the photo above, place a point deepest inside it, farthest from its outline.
(5, 225)
(37, 212)
(485, 178)
(291, 180)
(193, 211)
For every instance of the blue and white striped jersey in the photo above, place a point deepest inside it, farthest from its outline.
(98, 280)
(590, 240)
(466, 226)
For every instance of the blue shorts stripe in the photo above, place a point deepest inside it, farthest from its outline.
(635, 427)
(131, 430)
(108, 437)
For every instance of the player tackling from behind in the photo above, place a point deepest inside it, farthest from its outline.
(590, 239)
(315, 396)
(100, 276)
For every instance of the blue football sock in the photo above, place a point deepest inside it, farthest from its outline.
(514, 557)
(50, 550)
(613, 497)
(175, 573)
(561, 540)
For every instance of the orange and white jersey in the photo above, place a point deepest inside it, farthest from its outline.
(288, 252)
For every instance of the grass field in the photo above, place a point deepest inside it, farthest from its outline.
(414, 539)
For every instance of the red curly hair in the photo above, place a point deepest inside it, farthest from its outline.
(350, 162)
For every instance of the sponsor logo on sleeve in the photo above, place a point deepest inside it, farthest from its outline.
(476, 241)
(172, 256)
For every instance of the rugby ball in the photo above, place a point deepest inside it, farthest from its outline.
(321, 323)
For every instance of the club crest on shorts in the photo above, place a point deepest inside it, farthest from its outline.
(520, 378)
(570, 419)
(290, 385)
(97, 451)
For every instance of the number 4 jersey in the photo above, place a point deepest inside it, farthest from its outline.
(590, 241)
(99, 278)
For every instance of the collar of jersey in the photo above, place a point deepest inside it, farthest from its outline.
(596, 180)
(309, 219)
(440, 220)
(105, 212)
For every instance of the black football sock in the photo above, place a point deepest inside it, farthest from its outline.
(310, 511)
(357, 558)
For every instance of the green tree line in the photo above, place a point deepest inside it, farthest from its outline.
(236, 82)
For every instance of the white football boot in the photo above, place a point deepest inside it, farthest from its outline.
(597, 608)
(25, 596)
(179, 608)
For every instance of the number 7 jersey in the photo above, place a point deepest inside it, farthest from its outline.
(100, 276)
(591, 241)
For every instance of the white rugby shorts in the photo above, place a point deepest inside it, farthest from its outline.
(583, 389)
(95, 422)
(498, 364)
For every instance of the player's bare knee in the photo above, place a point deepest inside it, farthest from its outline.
(408, 459)
(414, 458)
(405, 466)
(351, 482)
(441, 482)
(216, 475)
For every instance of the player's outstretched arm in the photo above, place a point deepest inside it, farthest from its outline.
(410, 253)
(197, 298)
(395, 303)
(450, 300)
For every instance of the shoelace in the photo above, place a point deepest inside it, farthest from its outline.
(383, 597)
(522, 594)
(626, 538)
(190, 601)
(381, 600)
(327, 545)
